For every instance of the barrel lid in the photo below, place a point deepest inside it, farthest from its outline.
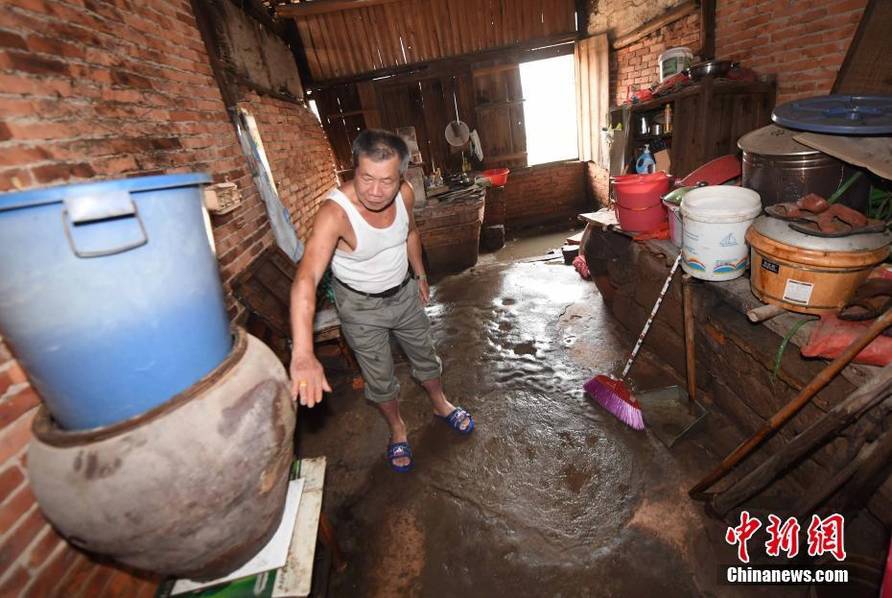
(779, 230)
(56, 194)
(773, 140)
(837, 114)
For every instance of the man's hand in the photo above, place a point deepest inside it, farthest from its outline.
(307, 379)
(424, 291)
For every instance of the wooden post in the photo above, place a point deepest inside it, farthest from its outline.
(690, 341)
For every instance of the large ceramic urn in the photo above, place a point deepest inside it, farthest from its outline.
(192, 488)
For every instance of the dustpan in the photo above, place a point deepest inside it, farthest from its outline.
(669, 413)
(672, 412)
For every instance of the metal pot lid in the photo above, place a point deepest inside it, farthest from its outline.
(838, 114)
(772, 140)
(778, 230)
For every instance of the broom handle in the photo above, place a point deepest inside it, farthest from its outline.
(650, 320)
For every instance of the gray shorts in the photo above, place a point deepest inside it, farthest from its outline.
(367, 322)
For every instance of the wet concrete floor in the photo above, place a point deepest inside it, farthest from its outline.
(551, 495)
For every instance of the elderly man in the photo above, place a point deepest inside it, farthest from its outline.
(367, 232)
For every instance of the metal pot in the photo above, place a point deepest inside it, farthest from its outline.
(781, 169)
(710, 68)
(643, 125)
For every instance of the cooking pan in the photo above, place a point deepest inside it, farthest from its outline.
(710, 68)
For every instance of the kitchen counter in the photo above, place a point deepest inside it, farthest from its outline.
(737, 295)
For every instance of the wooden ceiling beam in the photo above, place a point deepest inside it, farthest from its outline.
(318, 7)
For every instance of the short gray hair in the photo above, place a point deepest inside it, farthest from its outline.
(379, 145)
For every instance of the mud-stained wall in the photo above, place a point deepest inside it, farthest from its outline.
(101, 90)
(618, 17)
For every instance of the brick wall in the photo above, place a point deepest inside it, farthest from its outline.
(108, 90)
(804, 43)
(597, 185)
(636, 65)
(302, 164)
(549, 194)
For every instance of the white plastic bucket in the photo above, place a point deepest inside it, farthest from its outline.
(674, 61)
(676, 228)
(716, 219)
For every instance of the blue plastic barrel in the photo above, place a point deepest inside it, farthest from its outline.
(110, 295)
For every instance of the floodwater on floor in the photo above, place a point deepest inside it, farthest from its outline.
(550, 495)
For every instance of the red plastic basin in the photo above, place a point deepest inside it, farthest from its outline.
(497, 176)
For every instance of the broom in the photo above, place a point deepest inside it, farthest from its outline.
(612, 393)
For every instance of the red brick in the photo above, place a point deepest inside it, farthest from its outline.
(14, 437)
(10, 376)
(43, 548)
(15, 583)
(98, 581)
(10, 479)
(49, 580)
(83, 568)
(22, 535)
(12, 40)
(14, 406)
(146, 588)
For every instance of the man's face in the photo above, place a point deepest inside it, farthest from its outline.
(377, 183)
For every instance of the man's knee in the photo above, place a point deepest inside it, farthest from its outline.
(378, 392)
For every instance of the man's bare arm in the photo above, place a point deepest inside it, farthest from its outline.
(307, 378)
(413, 244)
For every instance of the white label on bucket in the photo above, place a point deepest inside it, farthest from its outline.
(798, 292)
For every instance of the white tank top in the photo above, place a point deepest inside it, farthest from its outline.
(380, 260)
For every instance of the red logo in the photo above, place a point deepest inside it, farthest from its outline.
(826, 535)
(741, 534)
(784, 538)
(823, 536)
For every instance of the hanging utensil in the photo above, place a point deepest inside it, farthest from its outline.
(457, 132)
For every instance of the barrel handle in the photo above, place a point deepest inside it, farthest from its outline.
(92, 209)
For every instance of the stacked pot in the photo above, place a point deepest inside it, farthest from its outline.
(164, 440)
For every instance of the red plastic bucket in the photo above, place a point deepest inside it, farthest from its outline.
(638, 205)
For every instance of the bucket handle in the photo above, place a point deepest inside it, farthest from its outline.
(93, 209)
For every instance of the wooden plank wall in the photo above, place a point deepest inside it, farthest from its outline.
(363, 40)
(424, 102)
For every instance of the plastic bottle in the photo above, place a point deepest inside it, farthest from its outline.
(645, 163)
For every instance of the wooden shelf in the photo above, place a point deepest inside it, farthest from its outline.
(708, 118)
(718, 86)
(638, 137)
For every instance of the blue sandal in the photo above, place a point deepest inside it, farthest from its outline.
(456, 418)
(397, 450)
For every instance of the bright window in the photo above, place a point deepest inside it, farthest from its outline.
(549, 109)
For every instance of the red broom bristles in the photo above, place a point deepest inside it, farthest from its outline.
(614, 396)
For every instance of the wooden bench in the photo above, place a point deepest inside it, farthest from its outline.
(264, 289)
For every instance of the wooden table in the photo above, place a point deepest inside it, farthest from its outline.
(295, 578)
